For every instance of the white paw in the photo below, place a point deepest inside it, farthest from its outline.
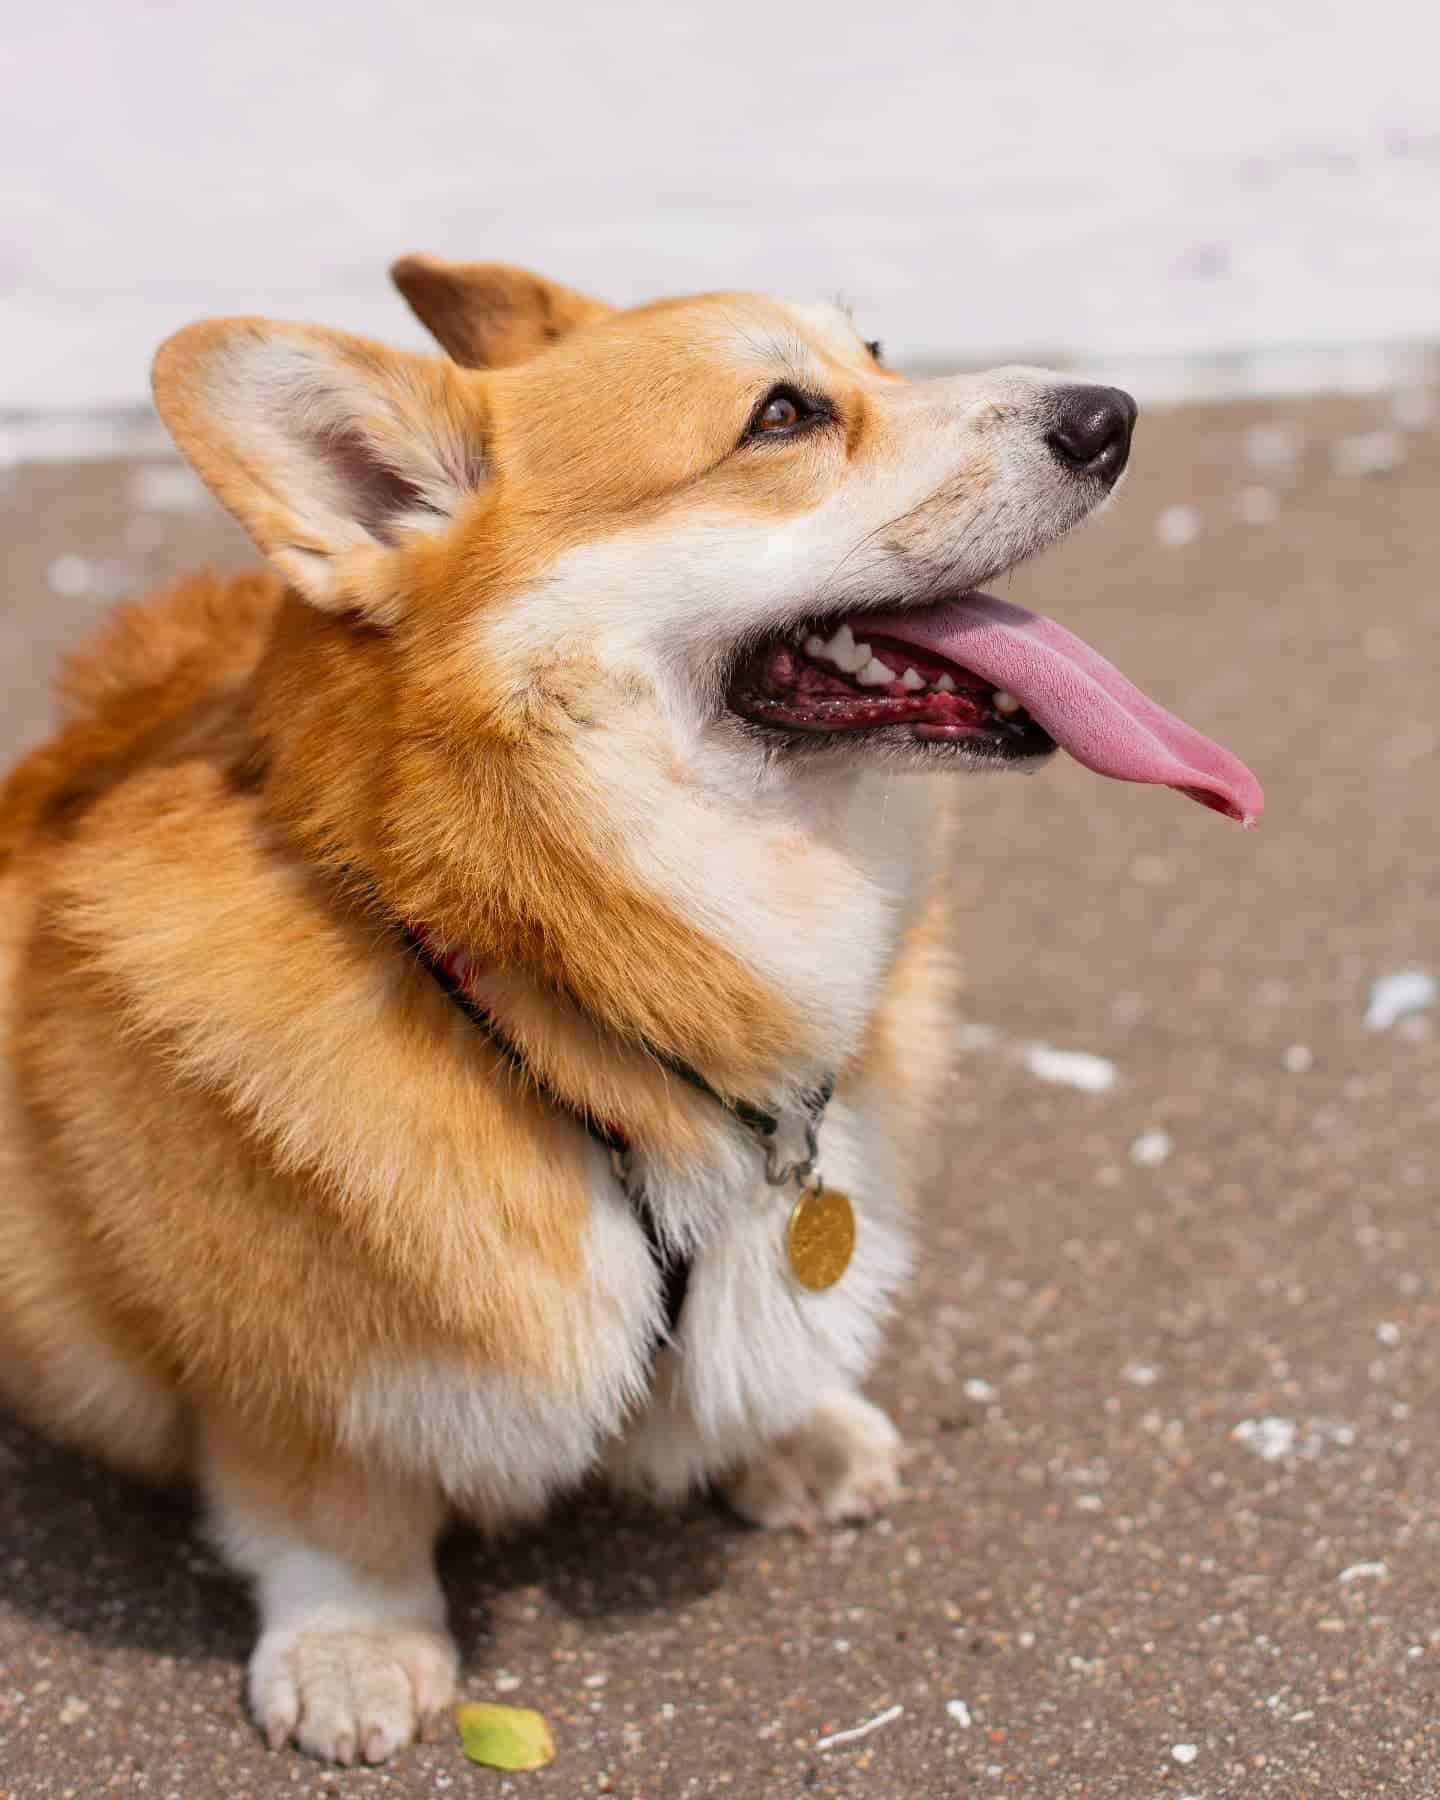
(842, 1464)
(348, 1693)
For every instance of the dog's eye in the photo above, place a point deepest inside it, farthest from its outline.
(876, 349)
(779, 413)
(784, 410)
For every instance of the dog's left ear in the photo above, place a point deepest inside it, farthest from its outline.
(488, 315)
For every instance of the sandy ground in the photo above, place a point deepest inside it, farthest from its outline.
(1169, 1373)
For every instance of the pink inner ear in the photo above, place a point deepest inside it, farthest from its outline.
(376, 494)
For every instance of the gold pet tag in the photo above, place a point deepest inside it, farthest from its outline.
(820, 1236)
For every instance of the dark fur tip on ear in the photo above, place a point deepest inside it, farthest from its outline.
(431, 287)
(490, 315)
(415, 270)
(442, 296)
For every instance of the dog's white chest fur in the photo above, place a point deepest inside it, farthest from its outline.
(752, 1350)
(754, 1346)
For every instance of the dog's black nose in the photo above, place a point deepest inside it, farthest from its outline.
(1091, 433)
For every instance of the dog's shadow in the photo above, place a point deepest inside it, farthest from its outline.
(127, 1566)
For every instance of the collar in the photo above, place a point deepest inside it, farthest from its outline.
(454, 973)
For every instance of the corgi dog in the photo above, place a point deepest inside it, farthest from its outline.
(474, 990)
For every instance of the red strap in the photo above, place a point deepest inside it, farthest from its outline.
(458, 971)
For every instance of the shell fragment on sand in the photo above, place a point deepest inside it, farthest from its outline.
(1393, 996)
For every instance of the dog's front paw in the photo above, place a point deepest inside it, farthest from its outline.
(351, 1693)
(842, 1464)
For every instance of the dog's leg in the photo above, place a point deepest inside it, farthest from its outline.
(354, 1657)
(842, 1464)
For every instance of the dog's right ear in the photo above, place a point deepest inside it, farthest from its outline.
(489, 315)
(330, 450)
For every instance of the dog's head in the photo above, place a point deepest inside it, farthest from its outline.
(724, 510)
(732, 487)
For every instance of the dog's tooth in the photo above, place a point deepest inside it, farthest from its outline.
(913, 680)
(946, 684)
(1006, 703)
(874, 674)
(816, 646)
(841, 646)
(850, 656)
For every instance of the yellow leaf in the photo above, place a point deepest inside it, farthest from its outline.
(504, 1737)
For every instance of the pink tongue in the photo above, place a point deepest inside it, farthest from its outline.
(1086, 705)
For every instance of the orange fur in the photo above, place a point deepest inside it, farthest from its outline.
(488, 846)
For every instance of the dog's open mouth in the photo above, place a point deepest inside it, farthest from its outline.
(860, 679)
(991, 679)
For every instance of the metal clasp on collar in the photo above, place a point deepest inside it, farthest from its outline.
(778, 1171)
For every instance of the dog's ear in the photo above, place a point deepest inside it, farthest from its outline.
(329, 450)
(488, 315)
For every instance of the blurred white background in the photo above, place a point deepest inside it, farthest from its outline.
(999, 177)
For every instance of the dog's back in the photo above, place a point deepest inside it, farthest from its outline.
(158, 676)
(161, 682)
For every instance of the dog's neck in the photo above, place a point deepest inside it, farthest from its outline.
(742, 936)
